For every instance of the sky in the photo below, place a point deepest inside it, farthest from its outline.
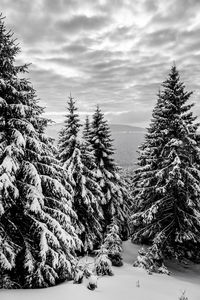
(115, 53)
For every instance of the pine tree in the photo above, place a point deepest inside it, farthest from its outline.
(103, 265)
(166, 184)
(113, 244)
(115, 196)
(68, 135)
(37, 240)
(78, 163)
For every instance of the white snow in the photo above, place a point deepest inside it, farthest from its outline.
(127, 283)
(6, 184)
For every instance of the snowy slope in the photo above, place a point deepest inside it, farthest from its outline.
(122, 286)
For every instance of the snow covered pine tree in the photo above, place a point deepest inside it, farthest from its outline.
(113, 243)
(78, 163)
(113, 187)
(167, 182)
(103, 265)
(37, 240)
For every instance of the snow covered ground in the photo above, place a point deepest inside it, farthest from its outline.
(123, 285)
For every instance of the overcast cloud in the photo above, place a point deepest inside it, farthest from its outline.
(113, 53)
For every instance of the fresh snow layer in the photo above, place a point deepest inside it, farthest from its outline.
(123, 285)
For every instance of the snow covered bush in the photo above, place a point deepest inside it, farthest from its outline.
(37, 239)
(166, 188)
(103, 265)
(151, 260)
(78, 274)
(113, 244)
(7, 283)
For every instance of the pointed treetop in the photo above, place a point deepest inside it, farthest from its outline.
(98, 110)
(71, 104)
(173, 75)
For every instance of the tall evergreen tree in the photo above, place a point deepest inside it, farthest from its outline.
(78, 163)
(37, 240)
(166, 184)
(115, 196)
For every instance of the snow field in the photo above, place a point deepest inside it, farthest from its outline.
(123, 285)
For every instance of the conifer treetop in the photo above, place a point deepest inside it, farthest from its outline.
(68, 136)
(72, 121)
(102, 141)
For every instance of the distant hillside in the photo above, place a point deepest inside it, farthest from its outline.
(126, 141)
(125, 128)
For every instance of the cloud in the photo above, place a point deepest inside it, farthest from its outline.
(115, 53)
(82, 23)
(140, 117)
(74, 48)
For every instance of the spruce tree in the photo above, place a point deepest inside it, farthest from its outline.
(68, 136)
(103, 265)
(113, 244)
(166, 184)
(78, 163)
(115, 196)
(37, 240)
